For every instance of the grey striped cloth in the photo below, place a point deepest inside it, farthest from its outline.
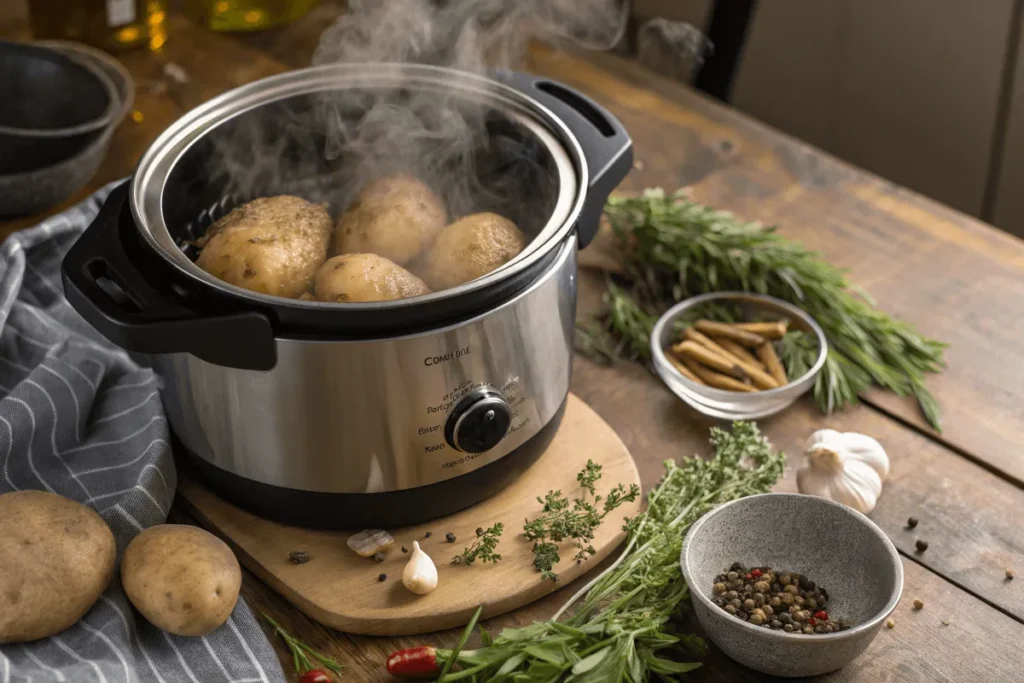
(79, 418)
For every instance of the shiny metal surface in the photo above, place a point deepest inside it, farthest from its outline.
(485, 398)
(369, 416)
(148, 184)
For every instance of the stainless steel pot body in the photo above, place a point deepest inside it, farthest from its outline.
(371, 416)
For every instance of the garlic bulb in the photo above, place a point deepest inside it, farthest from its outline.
(420, 574)
(846, 467)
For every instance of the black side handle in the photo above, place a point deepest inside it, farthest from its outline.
(606, 144)
(106, 287)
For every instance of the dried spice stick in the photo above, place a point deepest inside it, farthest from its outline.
(771, 330)
(733, 332)
(738, 351)
(702, 354)
(760, 378)
(683, 370)
(766, 352)
(715, 379)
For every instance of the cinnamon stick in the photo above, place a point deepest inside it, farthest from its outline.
(769, 330)
(702, 354)
(752, 370)
(683, 370)
(738, 335)
(738, 351)
(766, 352)
(715, 379)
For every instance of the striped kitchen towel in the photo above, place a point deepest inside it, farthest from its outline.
(79, 418)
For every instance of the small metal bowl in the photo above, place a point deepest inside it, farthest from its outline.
(733, 405)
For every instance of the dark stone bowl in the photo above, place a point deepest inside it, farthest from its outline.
(52, 106)
(34, 191)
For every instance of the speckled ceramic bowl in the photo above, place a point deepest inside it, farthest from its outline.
(840, 549)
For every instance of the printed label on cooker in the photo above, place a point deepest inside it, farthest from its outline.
(445, 357)
(461, 461)
(518, 424)
(428, 430)
(431, 448)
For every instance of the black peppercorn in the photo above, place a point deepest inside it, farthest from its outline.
(775, 624)
(479, 531)
(921, 545)
(382, 577)
(428, 534)
(298, 557)
(404, 549)
(450, 537)
(736, 567)
(378, 557)
(911, 522)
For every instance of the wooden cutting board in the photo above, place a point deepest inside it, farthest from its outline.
(342, 590)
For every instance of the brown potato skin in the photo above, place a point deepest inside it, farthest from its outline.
(181, 578)
(355, 278)
(56, 557)
(470, 248)
(396, 217)
(271, 245)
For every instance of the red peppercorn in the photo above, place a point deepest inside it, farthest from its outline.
(315, 676)
(756, 573)
(748, 577)
(821, 614)
(812, 621)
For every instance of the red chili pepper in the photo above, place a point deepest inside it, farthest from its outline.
(414, 663)
(812, 621)
(756, 573)
(821, 614)
(315, 676)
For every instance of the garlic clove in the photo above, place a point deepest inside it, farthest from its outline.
(420, 574)
(369, 542)
(844, 466)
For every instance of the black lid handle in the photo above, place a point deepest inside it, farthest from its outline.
(606, 144)
(103, 284)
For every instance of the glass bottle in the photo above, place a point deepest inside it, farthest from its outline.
(108, 24)
(248, 15)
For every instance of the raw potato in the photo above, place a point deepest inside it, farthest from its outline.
(354, 278)
(470, 248)
(181, 578)
(396, 217)
(271, 245)
(56, 558)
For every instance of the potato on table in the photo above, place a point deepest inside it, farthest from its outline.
(271, 245)
(354, 278)
(470, 248)
(396, 217)
(56, 558)
(181, 578)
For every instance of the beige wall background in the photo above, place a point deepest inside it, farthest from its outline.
(927, 93)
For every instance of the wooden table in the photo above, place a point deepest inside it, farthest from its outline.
(956, 278)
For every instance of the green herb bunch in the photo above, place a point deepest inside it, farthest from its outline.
(675, 248)
(577, 521)
(304, 658)
(627, 620)
(483, 547)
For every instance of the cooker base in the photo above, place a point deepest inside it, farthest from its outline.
(318, 510)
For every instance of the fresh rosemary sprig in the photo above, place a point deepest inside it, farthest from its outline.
(483, 547)
(577, 521)
(678, 248)
(627, 618)
(301, 652)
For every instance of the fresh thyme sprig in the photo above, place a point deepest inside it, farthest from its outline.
(483, 547)
(577, 521)
(301, 652)
(626, 620)
(678, 248)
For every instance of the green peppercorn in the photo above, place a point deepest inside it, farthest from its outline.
(719, 588)
(762, 586)
(732, 576)
(811, 603)
(798, 616)
(792, 589)
(775, 601)
(749, 604)
(731, 609)
(829, 628)
(748, 589)
(759, 599)
(789, 628)
(820, 629)
(768, 610)
(785, 579)
(737, 603)
(808, 629)
(731, 595)
(756, 620)
(775, 624)
(787, 599)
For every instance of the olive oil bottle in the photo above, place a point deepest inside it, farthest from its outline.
(113, 25)
(248, 15)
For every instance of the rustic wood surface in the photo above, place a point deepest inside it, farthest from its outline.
(954, 277)
(390, 609)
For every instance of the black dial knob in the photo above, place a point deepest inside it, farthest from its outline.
(478, 422)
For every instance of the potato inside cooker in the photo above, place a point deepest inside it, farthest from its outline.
(409, 225)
